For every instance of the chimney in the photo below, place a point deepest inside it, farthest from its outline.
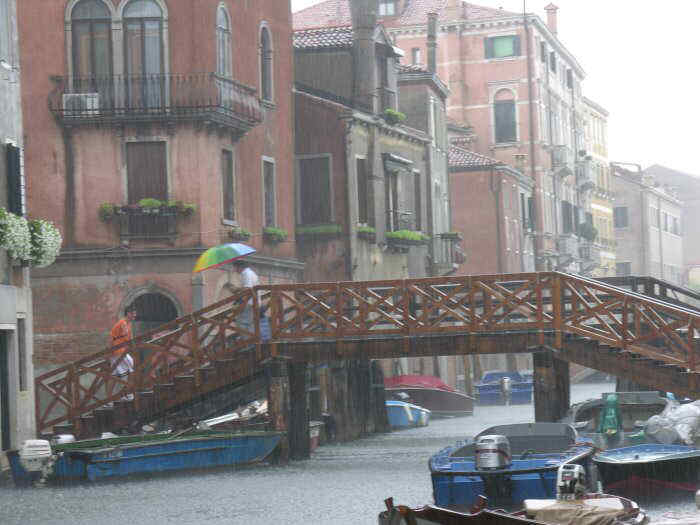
(552, 18)
(364, 21)
(432, 42)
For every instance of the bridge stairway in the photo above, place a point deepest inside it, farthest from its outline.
(586, 321)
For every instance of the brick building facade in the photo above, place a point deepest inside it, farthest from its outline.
(131, 120)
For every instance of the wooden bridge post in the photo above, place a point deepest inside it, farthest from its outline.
(278, 403)
(298, 430)
(551, 386)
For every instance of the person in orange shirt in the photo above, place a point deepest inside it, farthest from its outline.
(122, 361)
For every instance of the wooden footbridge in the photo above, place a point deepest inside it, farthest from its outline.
(593, 323)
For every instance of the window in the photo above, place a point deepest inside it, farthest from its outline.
(569, 79)
(227, 181)
(265, 64)
(146, 169)
(269, 193)
(654, 216)
(15, 181)
(415, 55)
(567, 216)
(223, 43)
(315, 190)
(623, 269)
(620, 217)
(22, 353)
(5, 48)
(92, 45)
(391, 199)
(502, 46)
(143, 53)
(417, 201)
(676, 227)
(543, 52)
(362, 193)
(387, 7)
(664, 220)
(552, 62)
(504, 117)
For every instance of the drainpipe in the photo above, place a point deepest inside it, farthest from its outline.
(539, 197)
(661, 238)
(496, 190)
(69, 192)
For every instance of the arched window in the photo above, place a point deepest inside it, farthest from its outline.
(223, 43)
(92, 43)
(505, 127)
(265, 64)
(143, 52)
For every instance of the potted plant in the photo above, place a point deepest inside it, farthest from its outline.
(403, 239)
(15, 236)
(239, 234)
(274, 235)
(151, 206)
(46, 242)
(106, 211)
(368, 233)
(393, 117)
(318, 231)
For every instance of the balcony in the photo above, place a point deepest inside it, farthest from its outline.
(139, 224)
(590, 256)
(562, 160)
(567, 248)
(387, 99)
(448, 254)
(584, 175)
(201, 97)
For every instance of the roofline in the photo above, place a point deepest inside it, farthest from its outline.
(419, 76)
(600, 109)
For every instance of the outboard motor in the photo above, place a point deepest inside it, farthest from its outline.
(34, 455)
(571, 482)
(492, 452)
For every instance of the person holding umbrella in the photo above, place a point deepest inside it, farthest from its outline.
(249, 279)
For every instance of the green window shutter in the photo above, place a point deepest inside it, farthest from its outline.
(516, 46)
(15, 187)
(488, 47)
(504, 117)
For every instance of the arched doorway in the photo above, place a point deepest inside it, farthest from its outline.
(153, 309)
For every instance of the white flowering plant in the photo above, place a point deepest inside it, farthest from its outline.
(46, 242)
(15, 236)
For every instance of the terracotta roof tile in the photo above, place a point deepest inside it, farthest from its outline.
(323, 37)
(462, 158)
(337, 13)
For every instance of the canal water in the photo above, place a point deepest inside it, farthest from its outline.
(340, 484)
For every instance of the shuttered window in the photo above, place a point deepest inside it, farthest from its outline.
(315, 190)
(567, 216)
(620, 217)
(502, 46)
(229, 206)
(362, 197)
(417, 201)
(147, 174)
(15, 182)
(504, 118)
(269, 193)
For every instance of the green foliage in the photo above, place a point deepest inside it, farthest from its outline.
(106, 211)
(239, 234)
(319, 229)
(393, 117)
(366, 229)
(407, 235)
(150, 204)
(274, 234)
(588, 231)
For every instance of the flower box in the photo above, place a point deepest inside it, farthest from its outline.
(451, 236)
(274, 235)
(239, 234)
(401, 240)
(318, 231)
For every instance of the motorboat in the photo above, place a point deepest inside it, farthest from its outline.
(507, 463)
(402, 414)
(39, 461)
(498, 387)
(430, 392)
(616, 417)
(648, 467)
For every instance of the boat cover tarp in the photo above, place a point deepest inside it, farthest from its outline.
(417, 381)
(676, 424)
(571, 513)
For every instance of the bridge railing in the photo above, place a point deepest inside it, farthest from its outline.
(543, 303)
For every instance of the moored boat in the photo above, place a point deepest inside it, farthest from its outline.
(406, 415)
(126, 455)
(615, 417)
(507, 463)
(646, 468)
(430, 392)
(500, 387)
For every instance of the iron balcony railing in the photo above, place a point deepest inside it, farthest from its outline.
(170, 96)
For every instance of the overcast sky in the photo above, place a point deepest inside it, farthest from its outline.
(640, 58)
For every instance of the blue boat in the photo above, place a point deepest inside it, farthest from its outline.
(123, 456)
(406, 415)
(648, 467)
(526, 467)
(489, 391)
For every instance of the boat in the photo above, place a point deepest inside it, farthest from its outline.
(627, 411)
(599, 509)
(506, 463)
(492, 389)
(649, 467)
(406, 415)
(39, 461)
(430, 392)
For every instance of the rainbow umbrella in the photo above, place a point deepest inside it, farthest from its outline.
(222, 254)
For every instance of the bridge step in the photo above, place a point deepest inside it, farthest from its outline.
(165, 394)
(184, 388)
